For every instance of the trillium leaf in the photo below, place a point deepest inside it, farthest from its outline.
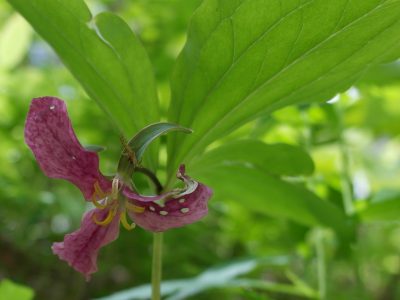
(279, 159)
(244, 59)
(104, 55)
(134, 149)
(268, 194)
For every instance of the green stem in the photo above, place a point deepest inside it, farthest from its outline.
(319, 239)
(156, 269)
(347, 191)
(152, 177)
(321, 264)
(345, 177)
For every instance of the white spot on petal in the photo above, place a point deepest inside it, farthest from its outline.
(152, 208)
(182, 200)
(73, 157)
(163, 213)
(184, 210)
(52, 107)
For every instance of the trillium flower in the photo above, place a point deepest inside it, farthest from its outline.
(49, 134)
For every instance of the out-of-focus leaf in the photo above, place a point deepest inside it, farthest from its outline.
(382, 75)
(15, 37)
(267, 194)
(215, 277)
(105, 57)
(221, 276)
(269, 286)
(144, 291)
(279, 159)
(95, 148)
(243, 59)
(387, 209)
(10, 290)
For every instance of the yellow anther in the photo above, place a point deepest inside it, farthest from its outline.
(98, 191)
(97, 203)
(134, 208)
(107, 220)
(125, 223)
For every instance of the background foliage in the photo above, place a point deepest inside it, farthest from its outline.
(285, 222)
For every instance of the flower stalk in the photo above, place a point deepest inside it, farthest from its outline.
(156, 270)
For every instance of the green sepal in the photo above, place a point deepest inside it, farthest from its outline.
(134, 149)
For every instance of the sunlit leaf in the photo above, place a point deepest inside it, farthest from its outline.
(243, 59)
(15, 37)
(10, 290)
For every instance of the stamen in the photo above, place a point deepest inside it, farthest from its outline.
(115, 188)
(125, 223)
(98, 195)
(97, 203)
(134, 208)
(107, 220)
(98, 191)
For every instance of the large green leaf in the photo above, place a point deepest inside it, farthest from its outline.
(279, 159)
(270, 195)
(244, 58)
(105, 57)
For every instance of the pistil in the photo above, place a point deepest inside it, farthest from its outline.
(111, 202)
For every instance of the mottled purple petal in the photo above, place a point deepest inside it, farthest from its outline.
(48, 132)
(133, 196)
(80, 248)
(184, 208)
(190, 186)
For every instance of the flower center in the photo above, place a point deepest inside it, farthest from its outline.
(115, 206)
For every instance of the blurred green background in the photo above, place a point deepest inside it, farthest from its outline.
(354, 141)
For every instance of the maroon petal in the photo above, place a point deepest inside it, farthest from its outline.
(80, 248)
(184, 208)
(48, 132)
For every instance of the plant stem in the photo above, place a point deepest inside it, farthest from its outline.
(321, 263)
(152, 177)
(320, 236)
(156, 269)
(345, 178)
